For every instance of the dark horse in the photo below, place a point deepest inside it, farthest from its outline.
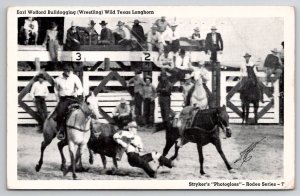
(204, 130)
(250, 93)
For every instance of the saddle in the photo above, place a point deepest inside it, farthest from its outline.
(187, 116)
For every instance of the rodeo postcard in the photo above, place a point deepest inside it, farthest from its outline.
(151, 97)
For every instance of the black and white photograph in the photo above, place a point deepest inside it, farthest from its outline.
(160, 97)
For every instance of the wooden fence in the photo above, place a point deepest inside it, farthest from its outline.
(109, 87)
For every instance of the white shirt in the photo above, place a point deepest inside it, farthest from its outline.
(200, 74)
(169, 35)
(39, 89)
(182, 63)
(243, 68)
(214, 38)
(31, 25)
(166, 62)
(70, 86)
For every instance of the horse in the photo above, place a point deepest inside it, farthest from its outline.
(204, 130)
(197, 96)
(102, 142)
(78, 130)
(250, 93)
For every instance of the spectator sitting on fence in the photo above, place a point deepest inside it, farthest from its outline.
(196, 34)
(106, 35)
(31, 29)
(170, 38)
(52, 38)
(273, 65)
(161, 24)
(138, 31)
(92, 38)
(154, 40)
(214, 43)
(166, 61)
(39, 91)
(73, 38)
(123, 37)
(149, 95)
(122, 114)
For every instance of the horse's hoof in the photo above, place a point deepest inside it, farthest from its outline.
(74, 177)
(65, 171)
(232, 171)
(63, 167)
(37, 168)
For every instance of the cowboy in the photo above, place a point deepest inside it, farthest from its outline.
(67, 88)
(39, 91)
(161, 24)
(93, 35)
(31, 28)
(132, 144)
(122, 114)
(106, 35)
(196, 34)
(138, 94)
(166, 60)
(214, 43)
(149, 95)
(51, 38)
(186, 87)
(154, 40)
(164, 91)
(121, 33)
(73, 38)
(244, 74)
(138, 31)
(273, 65)
(170, 38)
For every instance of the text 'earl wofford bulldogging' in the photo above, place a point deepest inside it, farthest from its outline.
(82, 12)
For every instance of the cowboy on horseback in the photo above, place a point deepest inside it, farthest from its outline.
(67, 89)
(249, 65)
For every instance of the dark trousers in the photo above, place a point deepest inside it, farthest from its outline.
(135, 160)
(61, 110)
(41, 109)
(122, 121)
(53, 49)
(138, 100)
(165, 107)
(149, 111)
(214, 50)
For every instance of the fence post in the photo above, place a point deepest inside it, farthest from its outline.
(37, 64)
(106, 64)
(216, 83)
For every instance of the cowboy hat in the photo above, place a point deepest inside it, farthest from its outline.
(187, 76)
(132, 124)
(41, 76)
(102, 23)
(173, 24)
(67, 68)
(154, 26)
(122, 100)
(136, 21)
(197, 29)
(92, 22)
(213, 28)
(247, 55)
(275, 50)
(120, 23)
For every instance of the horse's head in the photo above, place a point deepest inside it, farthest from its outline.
(90, 106)
(223, 120)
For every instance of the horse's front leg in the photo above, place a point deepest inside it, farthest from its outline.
(255, 105)
(44, 144)
(201, 159)
(73, 161)
(115, 168)
(168, 146)
(104, 162)
(61, 145)
(218, 146)
(178, 144)
(247, 113)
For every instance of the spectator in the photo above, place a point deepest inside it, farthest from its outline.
(170, 38)
(122, 114)
(166, 61)
(31, 28)
(154, 40)
(196, 34)
(39, 91)
(273, 65)
(138, 31)
(51, 38)
(214, 43)
(123, 37)
(149, 95)
(161, 24)
(93, 35)
(73, 38)
(164, 90)
(106, 36)
(138, 95)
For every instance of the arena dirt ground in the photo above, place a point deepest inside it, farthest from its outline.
(266, 162)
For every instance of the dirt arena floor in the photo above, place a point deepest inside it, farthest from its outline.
(266, 162)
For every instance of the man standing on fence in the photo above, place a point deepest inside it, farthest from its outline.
(39, 91)
(67, 87)
(149, 94)
(214, 43)
(138, 95)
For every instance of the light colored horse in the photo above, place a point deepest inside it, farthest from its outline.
(199, 96)
(78, 130)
